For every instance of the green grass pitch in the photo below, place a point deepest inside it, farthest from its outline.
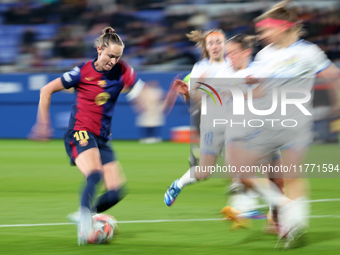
(38, 186)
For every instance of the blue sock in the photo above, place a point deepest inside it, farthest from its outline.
(90, 188)
(108, 199)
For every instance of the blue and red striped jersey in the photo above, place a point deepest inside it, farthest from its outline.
(96, 95)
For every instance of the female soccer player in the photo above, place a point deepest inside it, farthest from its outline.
(98, 84)
(287, 63)
(212, 44)
(239, 51)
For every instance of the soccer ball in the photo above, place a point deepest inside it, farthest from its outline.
(104, 228)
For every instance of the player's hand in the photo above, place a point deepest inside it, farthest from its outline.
(177, 86)
(181, 87)
(40, 132)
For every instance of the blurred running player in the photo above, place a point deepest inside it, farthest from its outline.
(287, 62)
(98, 84)
(239, 51)
(212, 44)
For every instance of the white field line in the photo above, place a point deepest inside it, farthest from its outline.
(171, 220)
(145, 221)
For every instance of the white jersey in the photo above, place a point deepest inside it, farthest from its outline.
(207, 70)
(237, 78)
(294, 67)
(301, 59)
(212, 139)
(288, 73)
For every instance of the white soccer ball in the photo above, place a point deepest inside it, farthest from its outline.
(104, 229)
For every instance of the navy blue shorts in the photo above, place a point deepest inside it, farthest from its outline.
(78, 141)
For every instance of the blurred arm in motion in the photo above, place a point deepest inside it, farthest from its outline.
(42, 130)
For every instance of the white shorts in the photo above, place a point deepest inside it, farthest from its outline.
(212, 138)
(269, 141)
(212, 142)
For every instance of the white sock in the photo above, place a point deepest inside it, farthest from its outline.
(186, 179)
(271, 194)
(301, 210)
(294, 214)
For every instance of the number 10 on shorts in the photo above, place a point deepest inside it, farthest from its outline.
(81, 135)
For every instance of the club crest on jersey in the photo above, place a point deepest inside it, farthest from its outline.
(102, 98)
(102, 83)
(83, 142)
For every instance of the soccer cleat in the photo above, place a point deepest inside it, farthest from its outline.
(74, 217)
(295, 238)
(280, 243)
(240, 224)
(232, 214)
(171, 194)
(83, 219)
(82, 239)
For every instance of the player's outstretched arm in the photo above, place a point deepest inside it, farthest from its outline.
(42, 131)
(177, 87)
(183, 88)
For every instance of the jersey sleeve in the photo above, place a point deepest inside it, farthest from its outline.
(129, 76)
(71, 78)
(132, 84)
(318, 58)
(187, 78)
(135, 90)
